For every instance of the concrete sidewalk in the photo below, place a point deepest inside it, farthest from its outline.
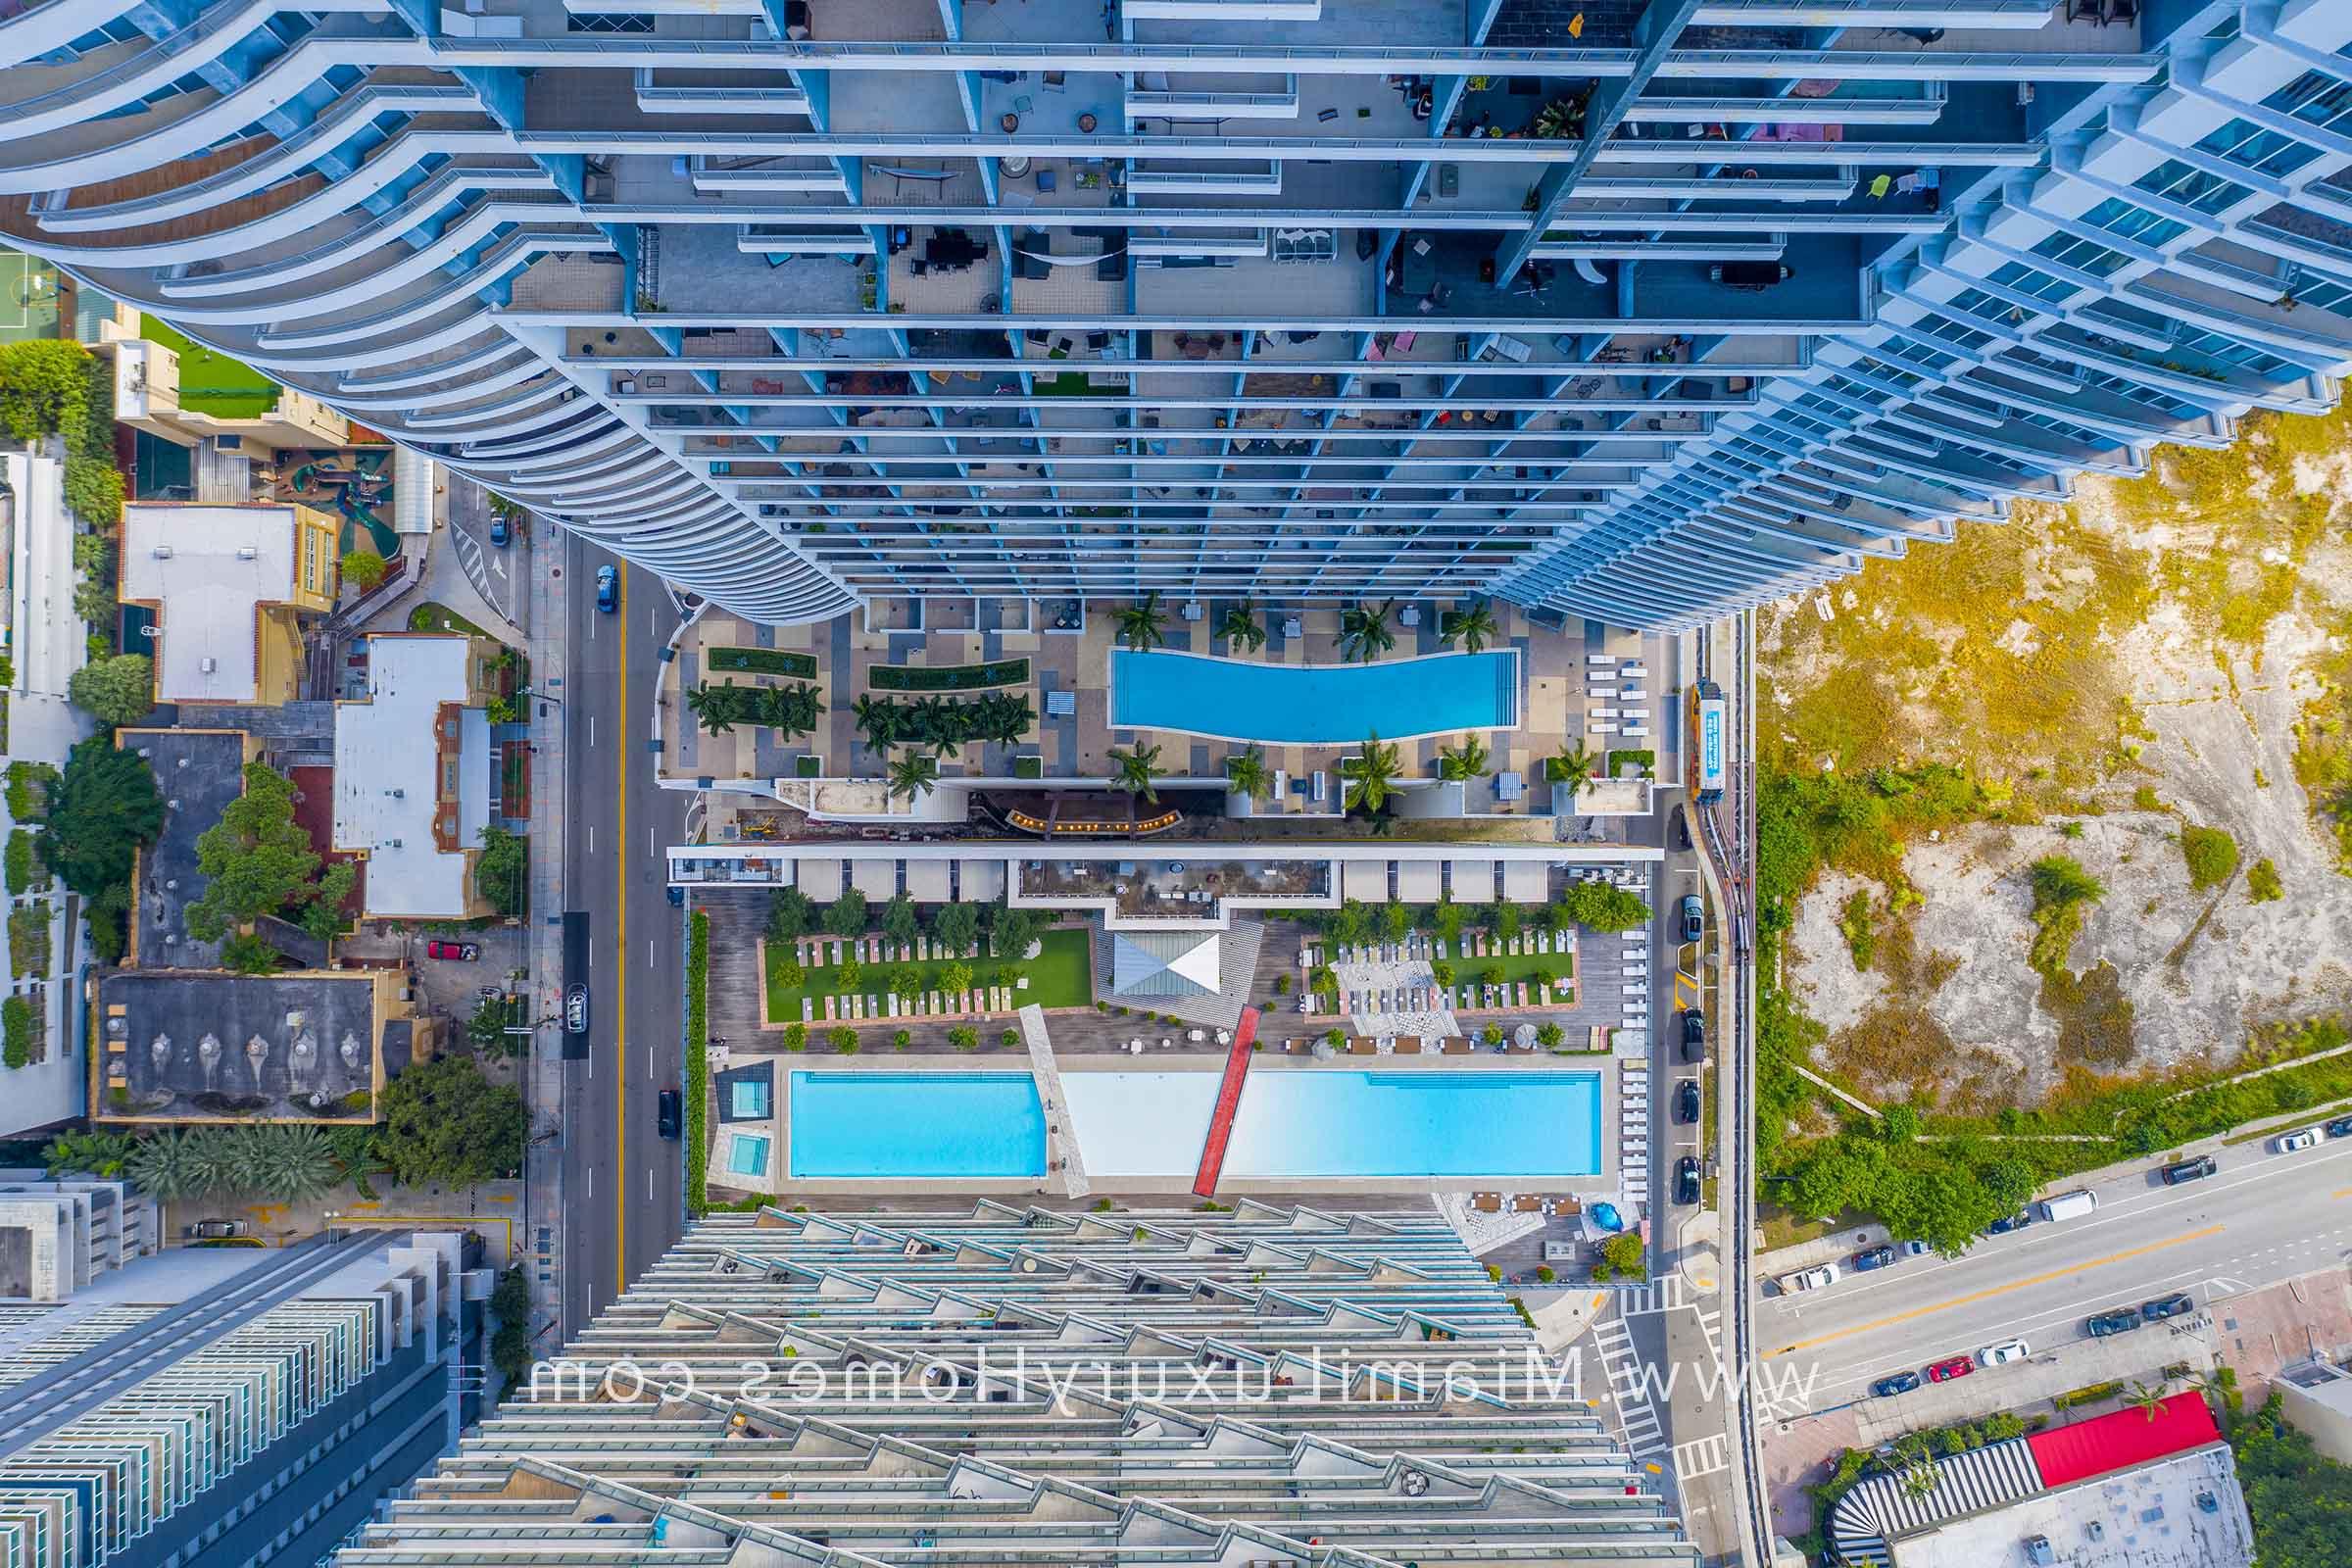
(543, 1084)
(493, 1208)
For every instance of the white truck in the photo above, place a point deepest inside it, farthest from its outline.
(2068, 1205)
(1808, 1279)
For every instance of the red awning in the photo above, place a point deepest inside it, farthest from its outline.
(2118, 1442)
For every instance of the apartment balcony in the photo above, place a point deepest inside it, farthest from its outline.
(1050, 102)
(717, 93)
(1216, 287)
(584, 283)
(774, 178)
(1070, 272)
(703, 268)
(1307, 24)
(1211, 97)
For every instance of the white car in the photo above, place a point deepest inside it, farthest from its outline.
(2296, 1142)
(2003, 1353)
(1814, 1279)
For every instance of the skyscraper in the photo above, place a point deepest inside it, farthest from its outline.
(1631, 312)
(993, 1385)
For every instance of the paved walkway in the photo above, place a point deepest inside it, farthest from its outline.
(1063, 1152)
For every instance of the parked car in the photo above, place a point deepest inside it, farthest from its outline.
(2341, 1127)
(500, 532)
(1682, 829)
(462, 952)
(214, 1230)
(2122, 1320)
(1915, 1248)
(2011, 1222)
(1901, 1383)
(2189, 1170)
(667, 1112)
(608, 589)
(1959, 1366)
(1694, 917)
(2177, 1304)
(1817, 1278)
(1685, 1102)
(576, 1011)
(1685, 1179)
(677, 898)
(1694, 1035)
(2296, 1142)
(2003, 1352)
(1871, 1257)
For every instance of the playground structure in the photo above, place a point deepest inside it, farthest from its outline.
(354, 482)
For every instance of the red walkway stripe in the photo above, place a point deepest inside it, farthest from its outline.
(1228, 1099)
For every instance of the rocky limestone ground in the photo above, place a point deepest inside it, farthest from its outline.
(2134, 662)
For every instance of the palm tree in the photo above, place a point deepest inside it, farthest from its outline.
(1364, 633)
(1570, 765)
(1369, 774)
(103, 1155)
(1131, 772)
(1245, 773)
(212, 1155)
(1463, 763)
(914, 775)
(1474, 624)
(2146, 1398)
(160, 1167)
(878, 721)
(1140, 625)
(301, 1163)
(1241, 627)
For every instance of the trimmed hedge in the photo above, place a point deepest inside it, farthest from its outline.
(948, 677)
(759, 661)
(698, 1060)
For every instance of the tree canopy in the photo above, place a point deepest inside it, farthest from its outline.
(118, 689)
(2300, 1500)
(258, 860)
(445, 1123)
(503, 870)
(100, 812)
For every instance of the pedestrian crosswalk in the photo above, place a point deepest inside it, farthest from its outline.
(1661, 1295)
(1701, 1456)
(1644, 1434)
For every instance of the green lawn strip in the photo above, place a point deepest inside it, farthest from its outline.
(1059, 976)
(698, 1060)
(948, 677)
(1517, 967)
(212, 383)
(761, 662)
(434, 615)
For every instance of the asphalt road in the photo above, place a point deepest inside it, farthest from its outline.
(2264, 1217)
(621, 1183)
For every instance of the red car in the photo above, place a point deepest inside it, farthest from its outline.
(1959, 1366)
(463, 952)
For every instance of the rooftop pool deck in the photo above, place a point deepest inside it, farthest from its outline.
(1314, 704)
(1408, 1125)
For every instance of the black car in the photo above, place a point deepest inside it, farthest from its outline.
(2010, 1222)
(1694, 1036)
(2122, 1320)
(215, 1229)
(1872, 1258)
(1900, 1383)
(1685, 1179)
(2189, 1170)
(666, 1111)
(2341, 1127)
(2164, 1306)
(677, 898)
(1685, 1102)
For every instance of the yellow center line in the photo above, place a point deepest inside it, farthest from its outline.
(621, 967)
(2341, 1192)
(1991, 1292)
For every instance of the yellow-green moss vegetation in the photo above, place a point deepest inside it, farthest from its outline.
(2323, 743)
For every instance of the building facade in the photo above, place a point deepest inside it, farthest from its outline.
(1634, 312)
(230, 1408)
(995, 1384)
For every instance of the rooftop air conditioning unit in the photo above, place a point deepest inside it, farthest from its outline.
(207, 665)
(163, 552)
(248, 553)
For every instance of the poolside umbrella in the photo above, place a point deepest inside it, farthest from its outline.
(1525, 1035)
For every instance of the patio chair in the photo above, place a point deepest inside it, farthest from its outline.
(1046, 182)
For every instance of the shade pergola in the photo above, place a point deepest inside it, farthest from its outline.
(820, 880)
(927, 881)
(1474, 881)
(878, 880)
(1525, 881)
(980, 881)
(1419, 881)
(1368, 880)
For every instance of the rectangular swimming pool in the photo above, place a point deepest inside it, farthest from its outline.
(905, 1124)
(1314, 704)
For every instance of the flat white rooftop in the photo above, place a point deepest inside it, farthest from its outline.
(2181, 1512)
(210, 567)
(392, 775)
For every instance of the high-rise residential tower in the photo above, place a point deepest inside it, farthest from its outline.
(995, 1385)
(1632, 311)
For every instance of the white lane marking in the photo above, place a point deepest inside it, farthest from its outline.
(649, 953)
(648, 1183)
(592, 732)
(591, 839)
(592, 1183)
(649, 842)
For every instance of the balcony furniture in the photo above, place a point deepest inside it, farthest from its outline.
(1045, 182)
(1880, 185)
(1014, 168)
(1449, 180)
(1097, 341)
(2082, 10)
(1435, 299)
(1086, 124)
(2118, 11)
(1008, 122)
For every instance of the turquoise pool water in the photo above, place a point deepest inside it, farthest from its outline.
(1504, 1125)
(1314, 704)
(749, 1155)
(860, 1124)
